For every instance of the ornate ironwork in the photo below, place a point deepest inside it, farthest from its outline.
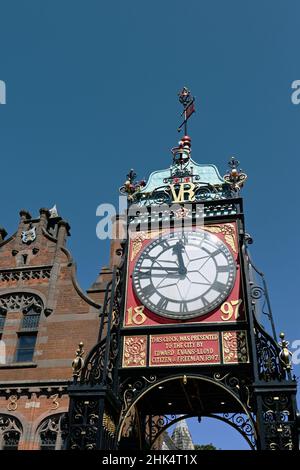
(259, 292)
(235, 178)
(269, 365)
(131, 187)
(85, 424)
(100, 363)
(278, 416)
(130, 390)
(243, 424)
(241, 387)
(157, 425)
(162, 194)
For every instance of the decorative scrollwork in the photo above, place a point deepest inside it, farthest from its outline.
(229, 381)
(157, 425)
(239, 386)
(243, 424)
(85, 425)
(100, 362)
(269, 366)
(257, 292)
(92, 371)
(279, 420)
(130, 391)
(276, 401)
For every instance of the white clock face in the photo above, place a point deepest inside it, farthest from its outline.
(184, 275)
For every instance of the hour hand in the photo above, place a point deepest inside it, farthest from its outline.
(178, 250)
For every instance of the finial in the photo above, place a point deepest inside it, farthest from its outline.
(284, 355)
(187, 101)
(235, 177)
(131, 186)
(182, 153)
(53, 212)
(78, 361)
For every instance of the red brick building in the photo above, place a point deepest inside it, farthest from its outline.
(44, 314)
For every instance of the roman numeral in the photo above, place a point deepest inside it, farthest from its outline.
(217, 252)
(164, 244)
(223, 269)
(162, 303)
(205, 301)
(218, 286)
(148, 290)
(144, 274)
(183, 307)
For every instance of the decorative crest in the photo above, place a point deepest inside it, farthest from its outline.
(187, 101)
(28, 236)
(235, 177)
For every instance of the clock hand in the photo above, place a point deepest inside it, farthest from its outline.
(159, 268)
(177, 250)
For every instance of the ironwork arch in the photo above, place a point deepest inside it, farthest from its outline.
(229, 418)
(132, 400)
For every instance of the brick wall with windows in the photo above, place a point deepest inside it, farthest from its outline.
(44, 314)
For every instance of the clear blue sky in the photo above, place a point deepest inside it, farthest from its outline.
(92, 91)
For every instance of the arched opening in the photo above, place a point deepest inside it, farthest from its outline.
(150, 408)
(50, 434)
(10, 432)
(214, 432)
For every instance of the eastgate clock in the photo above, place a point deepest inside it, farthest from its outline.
(184, 274)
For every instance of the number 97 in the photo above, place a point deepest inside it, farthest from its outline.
(231, 309)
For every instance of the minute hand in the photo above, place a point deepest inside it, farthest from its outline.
(159, 268)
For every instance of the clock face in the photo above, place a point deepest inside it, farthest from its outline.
(184, 275)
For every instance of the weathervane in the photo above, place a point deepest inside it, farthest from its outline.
(187, 101)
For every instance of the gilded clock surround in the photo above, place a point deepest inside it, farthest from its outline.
(178, 291)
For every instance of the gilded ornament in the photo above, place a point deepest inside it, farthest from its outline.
(78, 361)
(227, 230)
